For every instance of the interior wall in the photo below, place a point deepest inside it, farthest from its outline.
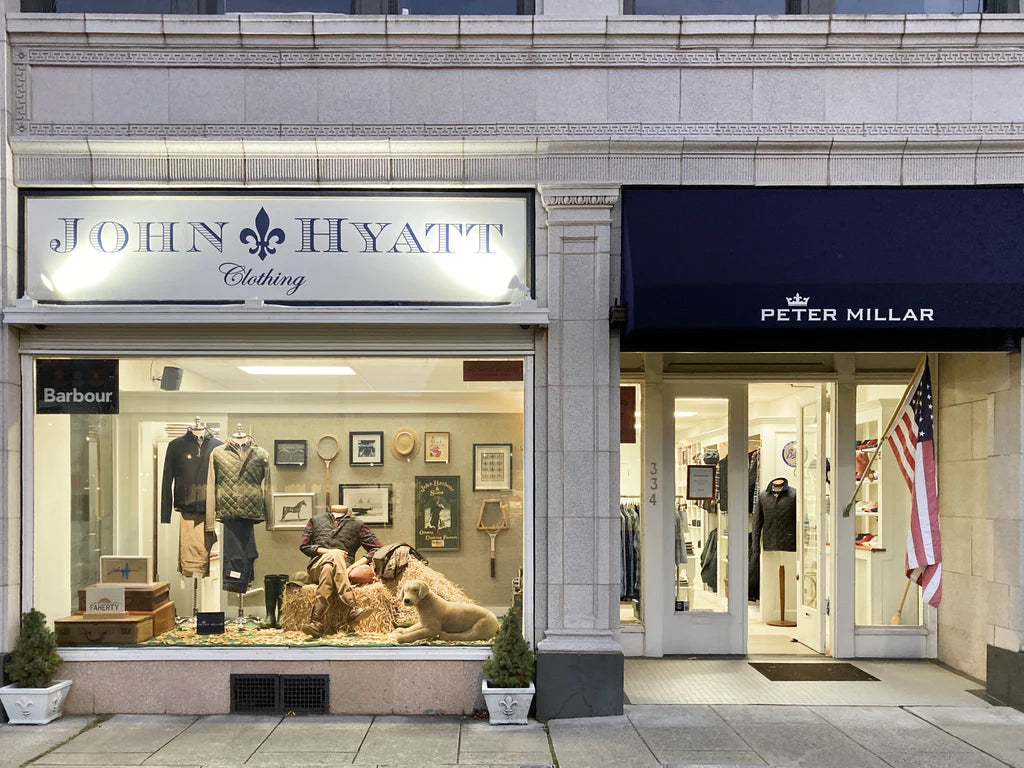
(52, 503)
(979, 466)
(469, 567)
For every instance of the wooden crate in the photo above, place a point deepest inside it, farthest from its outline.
(163, 617)
(140, 597)
(99, 630)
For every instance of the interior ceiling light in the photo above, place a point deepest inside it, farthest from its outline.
(683, 414)
(298, 370)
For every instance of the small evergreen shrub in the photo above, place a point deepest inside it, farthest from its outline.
(34, 660)
(511, 663)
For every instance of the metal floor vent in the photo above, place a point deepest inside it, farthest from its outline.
(279, 694)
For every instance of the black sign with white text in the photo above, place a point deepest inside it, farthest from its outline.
(76, 386)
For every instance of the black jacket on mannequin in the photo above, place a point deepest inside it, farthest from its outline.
(183, 485)
(775, 520)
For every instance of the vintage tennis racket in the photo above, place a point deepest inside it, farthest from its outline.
(327, 448)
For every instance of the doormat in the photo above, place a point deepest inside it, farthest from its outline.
(839, 671)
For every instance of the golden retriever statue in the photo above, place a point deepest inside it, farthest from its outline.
(442, 620)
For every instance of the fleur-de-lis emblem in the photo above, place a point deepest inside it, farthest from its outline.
(262, 239)
(508, 706)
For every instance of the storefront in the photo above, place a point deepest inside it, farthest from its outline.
(789, 322)
(374, 350)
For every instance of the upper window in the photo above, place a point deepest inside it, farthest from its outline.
(356, 7)
(764, 7)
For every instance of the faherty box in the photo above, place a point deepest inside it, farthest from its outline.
(138, 597)
(116, 569)
(104, 600)
(100, 630)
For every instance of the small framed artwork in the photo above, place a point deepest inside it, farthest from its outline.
(700, 481)
(437, 514)
(435, 447)
(365, 449)
(370, 502)
(289, 453)
(492, 466)
(291, 511)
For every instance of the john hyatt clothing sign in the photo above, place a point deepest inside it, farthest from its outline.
(437, 513)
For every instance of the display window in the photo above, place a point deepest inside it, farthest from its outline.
(181, 501)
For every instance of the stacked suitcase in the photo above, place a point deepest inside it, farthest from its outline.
(149, 612)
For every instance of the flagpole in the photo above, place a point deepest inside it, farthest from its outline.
(885, 433)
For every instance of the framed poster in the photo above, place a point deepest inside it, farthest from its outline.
(289, 453)
(291, 511)
(370, 502)
(492, 466)
(700, 481)
(435, 447)
(437, 514)
(365, 449)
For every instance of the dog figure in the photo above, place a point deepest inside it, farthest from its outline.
(442, 620)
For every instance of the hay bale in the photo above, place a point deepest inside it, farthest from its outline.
(381, 616)
(439, 584)
(297, 608)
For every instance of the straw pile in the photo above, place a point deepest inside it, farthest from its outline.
(297, 607)
(384, 599)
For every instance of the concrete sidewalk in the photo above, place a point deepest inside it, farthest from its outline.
(645, 737)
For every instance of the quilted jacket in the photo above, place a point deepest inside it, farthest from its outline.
(240, 477)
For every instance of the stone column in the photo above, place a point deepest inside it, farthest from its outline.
(579, 663)
(10, 395)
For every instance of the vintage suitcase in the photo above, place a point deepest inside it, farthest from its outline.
(140, 597)
(163, 617)
(100, 630)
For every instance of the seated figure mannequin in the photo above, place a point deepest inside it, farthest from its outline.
(331, 540)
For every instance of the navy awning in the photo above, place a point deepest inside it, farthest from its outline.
(823, 268)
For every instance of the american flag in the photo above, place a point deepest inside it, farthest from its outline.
(912, 439)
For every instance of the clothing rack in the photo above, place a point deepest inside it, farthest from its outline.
(629, 547)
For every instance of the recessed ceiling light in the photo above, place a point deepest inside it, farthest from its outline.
(298, 370)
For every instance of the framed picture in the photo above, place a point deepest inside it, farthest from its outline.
(492, 466)
(289, 453)
(291, 511)
(365, 449)
(435, 447)
(700, 481)
(370, 502)
(437, 514)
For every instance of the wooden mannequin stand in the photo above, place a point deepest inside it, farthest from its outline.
(781, 621)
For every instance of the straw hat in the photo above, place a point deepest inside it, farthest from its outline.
(405, 443)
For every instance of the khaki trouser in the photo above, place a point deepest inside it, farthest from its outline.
(329, 571)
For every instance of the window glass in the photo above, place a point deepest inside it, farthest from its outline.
(284, 6)
(775, 7)
(456, 7)
(882, 515)
(425, 452)
(700, 576)
(710, 7)
(630, 505)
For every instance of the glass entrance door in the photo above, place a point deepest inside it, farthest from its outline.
(812, 508)
(703, 440)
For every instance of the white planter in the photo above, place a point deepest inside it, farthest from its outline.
(34, 706)
(507, 706)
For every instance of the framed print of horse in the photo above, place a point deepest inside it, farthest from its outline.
(291, 511)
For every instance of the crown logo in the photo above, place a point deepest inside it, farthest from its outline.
(797, 301)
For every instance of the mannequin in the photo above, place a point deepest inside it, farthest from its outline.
(239, 476)
(775, 533)
(183, 488)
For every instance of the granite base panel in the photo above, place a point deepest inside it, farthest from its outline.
(579, 685)
(1004, 675)
(400, 687)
